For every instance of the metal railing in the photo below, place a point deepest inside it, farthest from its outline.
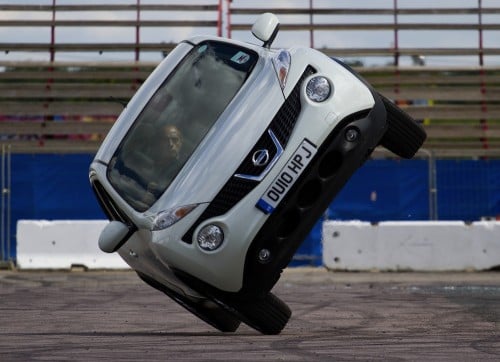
(67, 106)
(5, 210)
(387, 24)
(54, 17)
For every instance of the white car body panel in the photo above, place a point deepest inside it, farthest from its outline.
(223, 161)
(256, 103)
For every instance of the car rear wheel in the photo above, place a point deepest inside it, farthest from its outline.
(404, 136)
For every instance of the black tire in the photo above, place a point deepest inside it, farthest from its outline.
(404, 136)
(268, 315)
(207, 310)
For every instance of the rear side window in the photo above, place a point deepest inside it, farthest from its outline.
(176, 119)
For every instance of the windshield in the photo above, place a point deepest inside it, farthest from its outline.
(176, 119)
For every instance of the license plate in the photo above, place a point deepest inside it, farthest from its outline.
(287, 177)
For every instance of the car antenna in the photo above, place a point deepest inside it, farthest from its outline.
(123, 102)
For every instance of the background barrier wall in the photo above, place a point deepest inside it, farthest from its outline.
(413, 245)
(353, 246)
(56, 187)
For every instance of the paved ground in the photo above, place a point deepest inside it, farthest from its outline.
(90, 316)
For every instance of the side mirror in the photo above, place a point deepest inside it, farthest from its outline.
(113, 236)
(266, 28)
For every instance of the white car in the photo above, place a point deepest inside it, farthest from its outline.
(225, 158)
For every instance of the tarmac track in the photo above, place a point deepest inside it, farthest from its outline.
(100, 316)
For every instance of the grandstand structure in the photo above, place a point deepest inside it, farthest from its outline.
(67, 69)
(60, 105)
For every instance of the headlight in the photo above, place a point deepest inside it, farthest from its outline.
(318, 89)
(167, 218)
(282, 65)
(210, 237)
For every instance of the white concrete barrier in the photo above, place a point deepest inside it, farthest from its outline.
(353, 245)
(63, 244)
(413, 245)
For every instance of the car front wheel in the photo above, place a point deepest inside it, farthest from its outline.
(207, 310)
(268, 314)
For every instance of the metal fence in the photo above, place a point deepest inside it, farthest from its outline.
(6, 252)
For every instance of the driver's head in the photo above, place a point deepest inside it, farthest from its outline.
(173, 139)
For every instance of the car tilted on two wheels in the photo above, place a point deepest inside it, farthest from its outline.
(223, 161)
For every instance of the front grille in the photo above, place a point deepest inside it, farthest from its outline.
(284, 121)
(237, 188)
(247, 168)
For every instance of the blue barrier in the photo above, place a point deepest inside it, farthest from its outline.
(56, 187)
